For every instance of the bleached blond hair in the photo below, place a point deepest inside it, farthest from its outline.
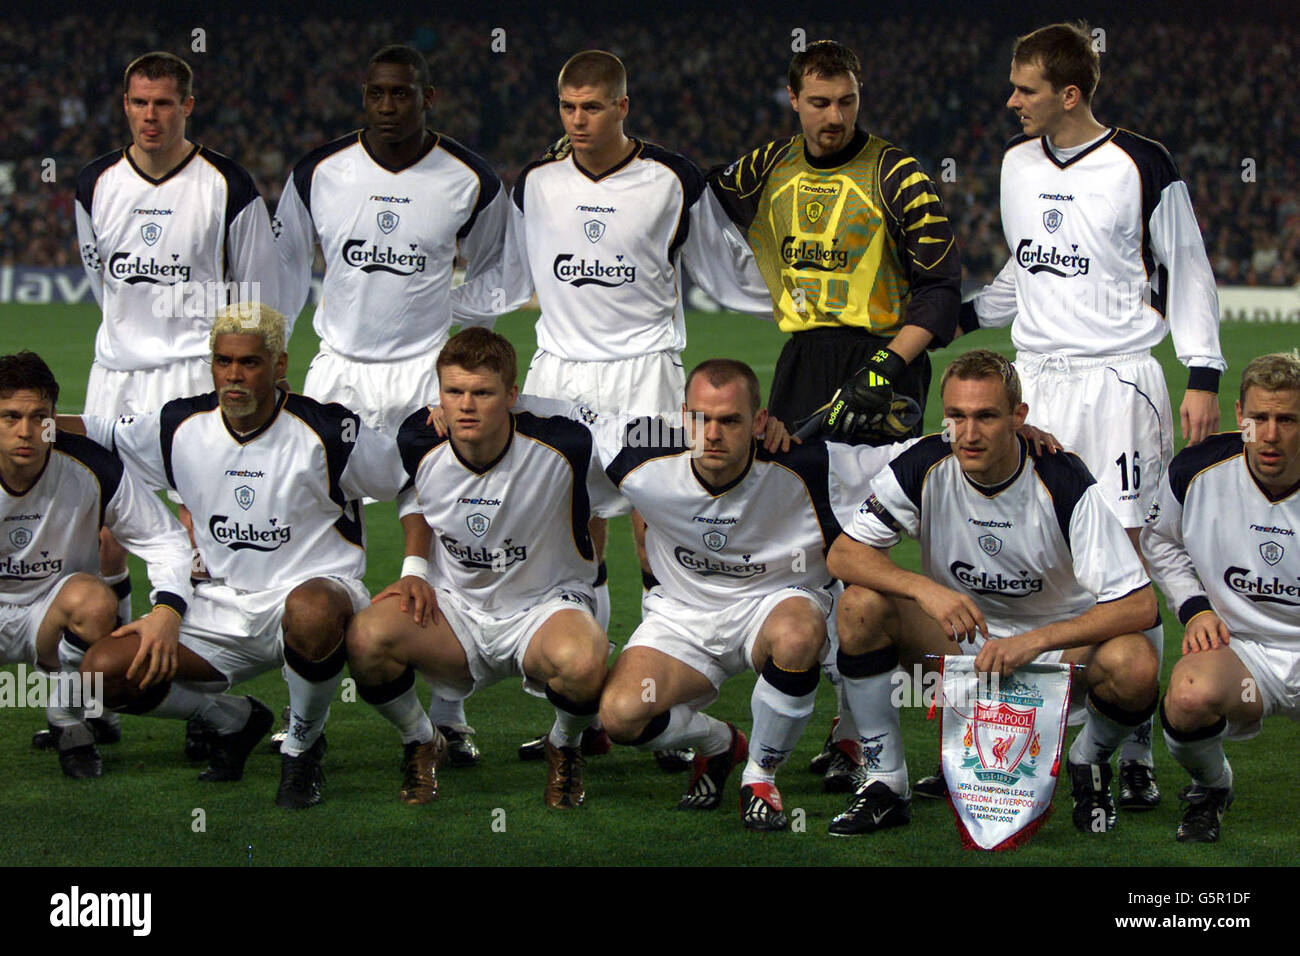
(250, 318)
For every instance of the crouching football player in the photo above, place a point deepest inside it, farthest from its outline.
(736, 537)
(57, 490)
(274, 483)
(1021, 561)
(505, 590)
(1221, 543)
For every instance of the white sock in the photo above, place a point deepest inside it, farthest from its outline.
(567, 729)
(406, 713)
(309, 707)
(1137, 746)
(124, 601)
(448, 713)
(602, 607)
(870, 703)
(779, 720)
(1101, 733)
(1204, 759)
(226, 713)
(59, 712)
(691, 728)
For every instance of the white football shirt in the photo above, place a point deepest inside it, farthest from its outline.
(1039, 547)
(273, 507)
(163, 254)
(1106, 254)
(604, 254)
(1218, 541)
(51, 530)
(767, 530)
(389, 238)
(507, 534)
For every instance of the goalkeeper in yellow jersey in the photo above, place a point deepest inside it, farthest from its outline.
(853, 244)
(854, 247)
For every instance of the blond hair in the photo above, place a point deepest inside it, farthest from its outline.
(250, 318)
(984, 363)
(1274, 372)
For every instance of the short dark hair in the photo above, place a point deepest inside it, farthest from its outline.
(156, 66)
(477, 347)
(1066, 54)
(594, 68)
(27, 371)
(720, 372)
(984, 363)
(403, 56)
(824, 58)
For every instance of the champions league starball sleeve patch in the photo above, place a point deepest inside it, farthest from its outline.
(1000, 745)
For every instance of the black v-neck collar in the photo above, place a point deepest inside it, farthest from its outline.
(436, 138)
(1268, 495)
(992, 491)
(1062, 164)
(719, 490)
(260, 429)
(165, 176)
(18, 494)
(636, 151)
(510, 440)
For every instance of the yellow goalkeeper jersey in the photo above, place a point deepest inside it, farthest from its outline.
(856, 238)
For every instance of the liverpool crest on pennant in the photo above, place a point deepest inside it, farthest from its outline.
(1000, 744)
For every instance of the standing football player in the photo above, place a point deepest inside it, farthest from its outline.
(1107, 259)
(506, 589)
(985, 505)
(392, 205)
(275, 482)
(858, 255)
(1221, 542)
(57, 490)
(169, 231)
(600, 229)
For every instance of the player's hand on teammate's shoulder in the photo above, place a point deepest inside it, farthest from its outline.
(1041, 440)
(956, 613)
(159, 632)
(1200, 414)
(415, 597)
(437, 420)
(1205, 632)
(776, 437)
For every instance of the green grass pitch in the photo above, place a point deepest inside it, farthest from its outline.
(143, 810)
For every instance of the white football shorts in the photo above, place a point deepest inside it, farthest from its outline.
(383, 394)
(495, 646)
(653, 384)
(19, 624)
(1113, 412)
(238, 632)
(717, 642)
(143, 391)
(1277, 678)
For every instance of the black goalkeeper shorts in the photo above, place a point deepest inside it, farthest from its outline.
(814, 363)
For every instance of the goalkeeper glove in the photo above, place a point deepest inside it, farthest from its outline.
(865, 400)
(559, 149)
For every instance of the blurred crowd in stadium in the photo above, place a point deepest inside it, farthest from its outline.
(268, 90)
